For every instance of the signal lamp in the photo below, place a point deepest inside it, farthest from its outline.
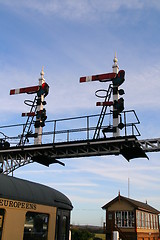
(119, 105)
(44, 90)
(119, 79)
(37, 124)
(121, 92)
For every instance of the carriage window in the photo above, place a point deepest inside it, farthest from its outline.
(57, 227)
(1, 221)
(64, 228)
(36, 226)
(62, 225)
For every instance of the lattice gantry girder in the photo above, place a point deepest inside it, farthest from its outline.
(15, 157)
(150, 145)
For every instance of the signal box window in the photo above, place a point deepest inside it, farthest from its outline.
(36, 226)
(1, 221)
(124, 218)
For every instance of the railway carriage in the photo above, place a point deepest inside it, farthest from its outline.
(31, 211)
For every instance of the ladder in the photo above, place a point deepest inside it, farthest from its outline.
(26, 129)
(102, 114)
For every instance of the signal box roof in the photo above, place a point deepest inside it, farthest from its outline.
(136, 204)
(22, 190)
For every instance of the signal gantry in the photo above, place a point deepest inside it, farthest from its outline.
(93, 135)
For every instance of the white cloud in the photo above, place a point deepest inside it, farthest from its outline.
(86, 199)
(72, 184)
(72, 9)
(90, 172)
(142, 88)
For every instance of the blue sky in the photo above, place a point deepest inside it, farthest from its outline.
(76, 38)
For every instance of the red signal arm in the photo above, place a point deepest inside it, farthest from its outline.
(100, 77)
(32, 89)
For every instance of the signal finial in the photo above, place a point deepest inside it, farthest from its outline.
(41, 80)
(115, 65)
(42, 72)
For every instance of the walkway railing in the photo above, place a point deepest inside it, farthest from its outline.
(71, 129)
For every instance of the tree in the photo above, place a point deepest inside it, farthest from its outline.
(78, 234)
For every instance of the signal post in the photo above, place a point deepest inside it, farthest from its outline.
(116, 131)
(40, 111)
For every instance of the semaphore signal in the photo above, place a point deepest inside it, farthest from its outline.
(39, 112)
(116, 78)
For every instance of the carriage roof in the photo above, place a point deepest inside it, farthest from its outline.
(23, 190)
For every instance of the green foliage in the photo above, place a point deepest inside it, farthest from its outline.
(78, 234)
(100, 236)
